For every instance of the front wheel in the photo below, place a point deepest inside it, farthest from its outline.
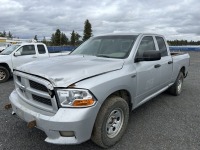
(176, 88)
(4, 74)
(111, 122)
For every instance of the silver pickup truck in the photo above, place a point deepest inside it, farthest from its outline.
(89, 93)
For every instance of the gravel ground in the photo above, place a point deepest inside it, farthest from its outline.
(164, 123)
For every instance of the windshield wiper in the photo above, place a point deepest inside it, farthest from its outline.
(102, 55)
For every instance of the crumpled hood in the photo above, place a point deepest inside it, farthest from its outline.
(63, 71)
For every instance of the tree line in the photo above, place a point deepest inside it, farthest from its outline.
(183, 42)
(7, 35)
(59, 38)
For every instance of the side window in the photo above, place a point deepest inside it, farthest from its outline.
(41, 49)
(27, 50)
(162, 46)
(146, 44)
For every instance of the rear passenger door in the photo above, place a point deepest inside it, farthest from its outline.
(28, 54)
(165, 62)
(42, 52)
(148, 74)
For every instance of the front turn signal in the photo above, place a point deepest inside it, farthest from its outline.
(83, 103)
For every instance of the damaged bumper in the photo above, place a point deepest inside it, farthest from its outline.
(66, 126)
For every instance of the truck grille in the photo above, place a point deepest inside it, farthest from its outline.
(38, 86)
(42, 99)
(35, 91)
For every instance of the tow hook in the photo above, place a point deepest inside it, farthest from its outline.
(31, 124)
(13, 113)
(8, 106)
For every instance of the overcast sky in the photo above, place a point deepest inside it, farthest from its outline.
(176, 19)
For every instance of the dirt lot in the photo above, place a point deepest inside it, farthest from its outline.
(166, 122)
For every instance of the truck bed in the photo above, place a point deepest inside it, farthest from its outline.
(180, 59)
(176, 53)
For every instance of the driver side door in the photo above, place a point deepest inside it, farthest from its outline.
(27, 54)
(148, 72)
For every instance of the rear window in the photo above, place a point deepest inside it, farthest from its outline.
(41, 49)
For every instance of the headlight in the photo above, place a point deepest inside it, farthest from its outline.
(75, 98)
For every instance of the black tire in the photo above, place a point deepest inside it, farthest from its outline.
(102, 132)
(4, 74)
(176, 88)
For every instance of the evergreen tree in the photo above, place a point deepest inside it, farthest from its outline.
(4, 33)
(44, 40)
(9, 35)
(57, 37)
(73, 40)
(63, 39)
(77, 37)
(87, 33)
(53, 39)
(35, 38)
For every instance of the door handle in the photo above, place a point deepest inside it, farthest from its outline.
(157, 66)
(34, 57)
(170, 62)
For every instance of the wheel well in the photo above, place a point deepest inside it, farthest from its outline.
(125, 95)
(183, 70)
(6, 66)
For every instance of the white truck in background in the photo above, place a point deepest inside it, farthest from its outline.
(19, 54)
(3, 46)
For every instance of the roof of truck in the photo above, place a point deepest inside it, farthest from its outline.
(126, 33)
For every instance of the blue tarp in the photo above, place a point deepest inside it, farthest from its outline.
(53, 49)
(184, 48)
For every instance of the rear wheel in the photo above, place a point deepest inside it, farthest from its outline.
(111, 122)
(4, 74)
(176, 88)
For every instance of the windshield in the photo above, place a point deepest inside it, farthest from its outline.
(9, 49)
(116, 46)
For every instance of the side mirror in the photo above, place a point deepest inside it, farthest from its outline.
(17, 53)
(149, 56)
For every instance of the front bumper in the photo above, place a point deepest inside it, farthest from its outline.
(78, 120)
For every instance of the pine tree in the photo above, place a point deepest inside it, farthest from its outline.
(73, 40)
(87, 33)
(9, 35)
(77, 37)
(4, 33)
(57, 37)
(44, 40)
(53, 39)
(35, 38)
(63, 39)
